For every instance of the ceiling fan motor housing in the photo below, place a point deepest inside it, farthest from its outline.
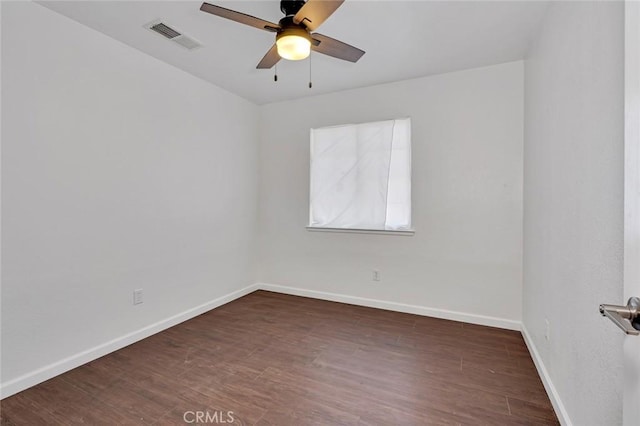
(291, 7)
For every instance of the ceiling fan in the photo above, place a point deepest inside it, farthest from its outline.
(294, 39)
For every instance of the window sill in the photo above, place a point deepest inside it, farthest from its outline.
(408, 233)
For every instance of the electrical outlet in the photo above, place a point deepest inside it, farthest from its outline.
(376, 275)
(137, 296)
(547, 331)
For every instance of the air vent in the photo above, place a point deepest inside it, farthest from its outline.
(165, 30)
(174, 35)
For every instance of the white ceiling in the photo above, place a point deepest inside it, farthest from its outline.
(403, 39)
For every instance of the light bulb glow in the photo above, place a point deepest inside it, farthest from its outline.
(293, 47)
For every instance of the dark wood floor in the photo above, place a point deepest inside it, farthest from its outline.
(273, 359)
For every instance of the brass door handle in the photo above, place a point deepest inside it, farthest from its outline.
(626, 317)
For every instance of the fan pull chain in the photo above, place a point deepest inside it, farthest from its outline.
(310, 83)
(275, 73)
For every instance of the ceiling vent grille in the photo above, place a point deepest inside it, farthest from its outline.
(174, 35)
(165, 30)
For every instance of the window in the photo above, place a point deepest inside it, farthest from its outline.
(361, 176)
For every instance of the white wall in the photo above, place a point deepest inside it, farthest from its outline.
(573, 204)
(118, 172)
(467, 196)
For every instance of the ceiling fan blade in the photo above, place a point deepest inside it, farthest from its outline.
(315, 12)
(336, 48)
(243, 18)
(270, 59)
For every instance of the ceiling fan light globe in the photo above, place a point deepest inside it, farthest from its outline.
(293, 47)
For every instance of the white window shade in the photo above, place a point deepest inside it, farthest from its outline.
(361, 176)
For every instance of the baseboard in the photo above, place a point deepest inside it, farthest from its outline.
(45, 373)
(394, 306)
(558, 406)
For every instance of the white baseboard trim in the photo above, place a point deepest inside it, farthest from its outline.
(394, 306)
(47, 372)
(552, 392)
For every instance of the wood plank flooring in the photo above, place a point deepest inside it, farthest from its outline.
(274, 359)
